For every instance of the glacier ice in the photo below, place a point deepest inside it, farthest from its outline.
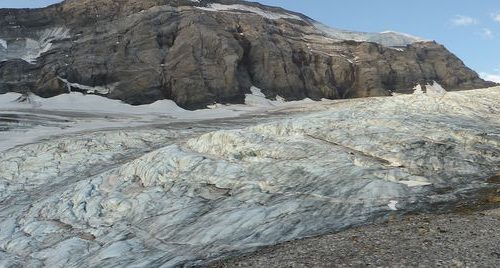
(165, 197)
(387, 38)
(3, 43)
(261, 12)
(29, 49)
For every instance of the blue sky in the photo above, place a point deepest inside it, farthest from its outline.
(469, 28)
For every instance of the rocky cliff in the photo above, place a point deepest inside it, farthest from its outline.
(201, 52)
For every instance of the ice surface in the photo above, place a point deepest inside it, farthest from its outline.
(29, 49)
(387, 38)
(80, 112)
(392, 205)
(3, 44)
(79, 102)
(167, 196)
(434, 89)
(257, 98)
(256, 10)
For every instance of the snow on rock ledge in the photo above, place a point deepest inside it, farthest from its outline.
(258, 11)
(30, 49)
(234, 190)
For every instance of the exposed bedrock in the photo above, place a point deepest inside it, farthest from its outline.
(200, 52)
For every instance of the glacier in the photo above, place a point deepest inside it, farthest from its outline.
(186, 192)
(31, 48)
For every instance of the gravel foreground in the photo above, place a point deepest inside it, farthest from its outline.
(461, 239)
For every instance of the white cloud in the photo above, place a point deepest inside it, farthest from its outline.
(487, 33)
(460, 20)
(496, 17)
(491, 77)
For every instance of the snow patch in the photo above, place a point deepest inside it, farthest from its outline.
(392, 205)
(255, 10)
(342, 34)
(102, 90)
(494, 77)
(280, 99)
(394, 39)
(397, 49)
(29, 49)
(79, 102)
(3, 43)
(415, 183)
(418, 90)
(388, 38)
(409, 36)
(257, 98)
(434, 89)
(257, 92)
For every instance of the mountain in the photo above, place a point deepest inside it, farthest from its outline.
(202, 52)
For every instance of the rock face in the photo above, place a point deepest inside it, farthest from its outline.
(200, 52)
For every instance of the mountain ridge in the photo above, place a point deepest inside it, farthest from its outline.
(202, 52)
